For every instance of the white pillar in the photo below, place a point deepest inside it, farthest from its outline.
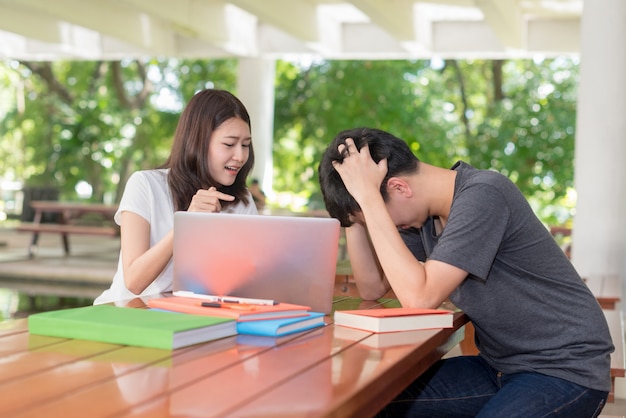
(599, 231)
(255, 88)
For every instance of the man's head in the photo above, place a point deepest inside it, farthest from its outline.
(382, 145)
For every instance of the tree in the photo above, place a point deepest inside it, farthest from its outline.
(314, 103)
(524, 127)
(96, 122)
(516, 117)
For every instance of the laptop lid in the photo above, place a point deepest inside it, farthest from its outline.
(284, 258)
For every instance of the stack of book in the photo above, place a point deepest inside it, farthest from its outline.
(394, 319)
(162, 326)
(264, 319)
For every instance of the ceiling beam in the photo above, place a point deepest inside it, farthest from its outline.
(295, 17)
(130, 25)
(394, 16)
(334, 29)
(554, 36)
(506, 20)
(200, 19)
(30, 24)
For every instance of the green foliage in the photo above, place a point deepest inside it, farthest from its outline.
(97, 122)
(63, 123)
(314, 103)
(530, 133)
(516, 117)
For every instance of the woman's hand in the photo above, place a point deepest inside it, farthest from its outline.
(208, 200)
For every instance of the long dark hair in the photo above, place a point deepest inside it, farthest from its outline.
(188, 164)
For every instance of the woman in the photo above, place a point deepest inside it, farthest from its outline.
(211, 157)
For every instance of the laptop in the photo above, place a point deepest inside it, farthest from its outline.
(289, 259)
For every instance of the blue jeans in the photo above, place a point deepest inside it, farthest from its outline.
(467, 386)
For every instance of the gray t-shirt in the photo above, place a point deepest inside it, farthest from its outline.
(530, 308)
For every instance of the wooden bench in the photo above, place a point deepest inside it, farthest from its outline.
(614, 318)
(607, 289)
(69, 229)
(68, 221)
(562, 234)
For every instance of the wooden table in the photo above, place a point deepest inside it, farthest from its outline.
(66, 221)
(329, 371)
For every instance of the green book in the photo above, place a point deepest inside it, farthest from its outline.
(131, 326)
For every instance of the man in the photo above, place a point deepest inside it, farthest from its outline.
(470, 236)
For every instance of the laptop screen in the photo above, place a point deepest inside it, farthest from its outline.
(289, 259)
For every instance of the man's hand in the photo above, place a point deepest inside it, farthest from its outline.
(360, 174)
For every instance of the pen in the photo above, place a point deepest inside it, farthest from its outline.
(236, 306)
(225, 299)
(248, 301)
(187, 294)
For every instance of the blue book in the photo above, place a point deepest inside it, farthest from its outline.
(281, 326)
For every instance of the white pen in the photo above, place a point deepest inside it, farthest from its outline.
(187, 294)
(232, 299)
(224, 299)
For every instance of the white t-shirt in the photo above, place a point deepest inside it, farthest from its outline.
(147, 194)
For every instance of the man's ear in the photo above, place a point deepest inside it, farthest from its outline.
(399, 185)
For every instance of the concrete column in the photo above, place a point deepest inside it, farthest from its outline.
(255, 88)
(599, 231)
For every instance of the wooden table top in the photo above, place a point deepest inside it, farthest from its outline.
(329, 371)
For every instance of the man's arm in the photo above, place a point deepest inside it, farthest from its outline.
(415, 284)
(366, 270)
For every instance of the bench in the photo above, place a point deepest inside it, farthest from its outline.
(607, 289)
(69, 229)
(69, 221)
(614, 318)
(562, 235)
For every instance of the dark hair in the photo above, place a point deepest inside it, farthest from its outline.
(188, 164)
(400, 160)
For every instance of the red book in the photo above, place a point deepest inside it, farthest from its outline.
(394, 319)
(240, 312)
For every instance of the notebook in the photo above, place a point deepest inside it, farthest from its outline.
(288, 259)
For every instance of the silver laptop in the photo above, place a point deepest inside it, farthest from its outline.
(282, 258)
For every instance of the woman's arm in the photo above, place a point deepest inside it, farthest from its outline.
(141, 263)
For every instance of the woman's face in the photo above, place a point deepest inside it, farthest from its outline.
(229, 148)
